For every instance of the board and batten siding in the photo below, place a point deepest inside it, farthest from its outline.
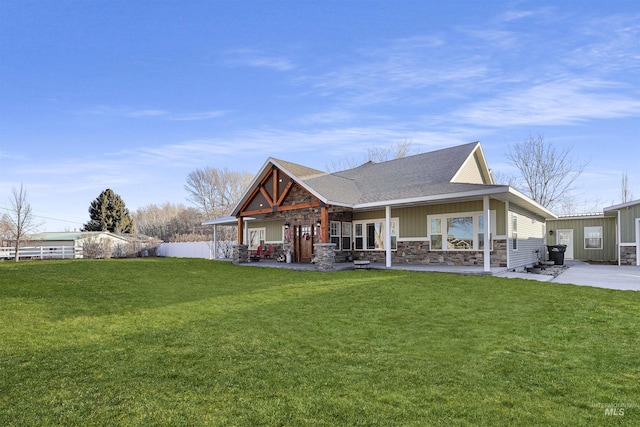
(531, 233)
(628, 218)
(609, 248)
(413, 220)
(273, 230)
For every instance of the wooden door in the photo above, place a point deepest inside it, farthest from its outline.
(303, 243)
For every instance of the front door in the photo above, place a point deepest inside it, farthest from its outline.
(303, 243)
(565, 237)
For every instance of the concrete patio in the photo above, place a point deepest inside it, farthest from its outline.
(577, 273)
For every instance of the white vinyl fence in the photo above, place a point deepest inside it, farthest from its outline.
(186, 250)
(42, 252)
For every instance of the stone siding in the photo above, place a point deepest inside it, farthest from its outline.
(628, 255)
(240, 254)
(417, 253)
(324, 257)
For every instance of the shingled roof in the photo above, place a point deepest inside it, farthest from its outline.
(421, 176)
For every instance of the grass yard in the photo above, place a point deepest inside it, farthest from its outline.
(197, 342)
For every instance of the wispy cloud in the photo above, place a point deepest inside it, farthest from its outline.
(550, 103)
(204, 115)
(252, 58)
(132, 113)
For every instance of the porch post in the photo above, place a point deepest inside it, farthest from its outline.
(487, 228)
(215, 242)
(387, 235)
(240, 230)
(324, 224)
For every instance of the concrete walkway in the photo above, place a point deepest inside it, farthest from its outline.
(625, 278)
(579, 273)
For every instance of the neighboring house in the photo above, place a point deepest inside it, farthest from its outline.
(88, 244)
(437, 208)
(610, 236)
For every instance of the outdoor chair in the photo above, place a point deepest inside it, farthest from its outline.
(267, 254)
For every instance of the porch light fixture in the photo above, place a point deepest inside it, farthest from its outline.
(318, 223)
(286, 225)
(550, 232)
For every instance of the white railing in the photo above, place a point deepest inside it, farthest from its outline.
(42, 252)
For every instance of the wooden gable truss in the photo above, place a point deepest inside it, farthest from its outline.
(269, 196)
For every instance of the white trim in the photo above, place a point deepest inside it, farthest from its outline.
(486, 213)
(618, 238)
(622, 205)
(364, 235)
(584, 238)
(387, 236)
(469, 157)
(506, 237)
(476, 231)
(573, 243)
(433, 198)
(638, 241)
(412, 239)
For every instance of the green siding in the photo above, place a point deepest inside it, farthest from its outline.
(628, 223)
(273, 229)
(413, 220)
(609, 247)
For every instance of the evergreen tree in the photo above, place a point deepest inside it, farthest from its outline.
(108, 213)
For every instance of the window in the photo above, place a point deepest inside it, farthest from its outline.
(370, 234)
(593, 237)
(359, 237)
(458, 232)
(481, 234)
(256, 238)
(436, 233)
(346, 236)
(514, 232)
(334, 233)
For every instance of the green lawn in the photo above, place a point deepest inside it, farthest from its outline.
(196, 342)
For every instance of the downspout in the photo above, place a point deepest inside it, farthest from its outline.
(507, 225)
(387, 235)
(618, 237)
(486, 230)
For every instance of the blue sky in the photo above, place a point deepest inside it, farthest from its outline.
(134, 95)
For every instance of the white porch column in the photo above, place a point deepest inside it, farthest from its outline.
(486, 212)
(215, 242)
(619, 235)
(387, 235)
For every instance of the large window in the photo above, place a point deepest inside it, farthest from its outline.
(346, 236)
(458, 232)
(370, 234)
(340, 234)
(334, 233)
(593, 237)
(256, 237)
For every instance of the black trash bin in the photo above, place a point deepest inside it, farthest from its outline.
(556, 253)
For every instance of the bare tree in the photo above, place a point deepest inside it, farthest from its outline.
(215, 191)
(546, 174)
(20, 219)
(374, 153)
(169, 222)
(625, 193)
